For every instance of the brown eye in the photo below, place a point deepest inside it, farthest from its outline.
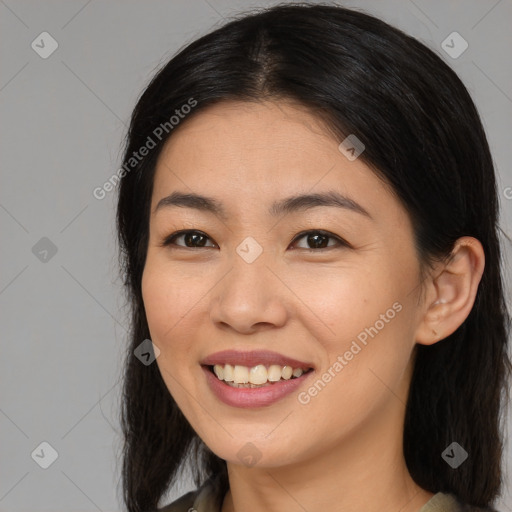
(319, 239)
(314, 239)
(191, 239)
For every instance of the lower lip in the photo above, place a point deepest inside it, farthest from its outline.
(252, 397)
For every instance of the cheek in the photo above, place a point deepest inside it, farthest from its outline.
(366, 329)
(364, 374)
(343, 302)
(169, 300)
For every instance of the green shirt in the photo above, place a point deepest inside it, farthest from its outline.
(208, 499)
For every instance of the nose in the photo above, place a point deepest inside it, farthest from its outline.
(249, 298)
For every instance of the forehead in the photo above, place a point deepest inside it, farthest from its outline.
(251, 140)
(234, 131)
(254, 151)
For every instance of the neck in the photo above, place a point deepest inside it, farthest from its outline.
(366, 471)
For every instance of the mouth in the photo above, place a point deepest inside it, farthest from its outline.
(254, 368)
(258, 376)
(253, 379)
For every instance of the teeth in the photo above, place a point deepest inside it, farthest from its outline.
(257, 376)
(287, 372)
(241, 374)
(228, 372)
(297, 372)
(274, 373)
(219, 371)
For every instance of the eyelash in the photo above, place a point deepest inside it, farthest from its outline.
(169, 240)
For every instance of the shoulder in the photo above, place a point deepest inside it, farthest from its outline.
(182, 504)
(445, 502)
(206, 498)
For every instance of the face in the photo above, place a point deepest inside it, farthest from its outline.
(328, 284)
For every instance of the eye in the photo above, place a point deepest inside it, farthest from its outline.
(319, 239)
(315, 239)
(191, 237)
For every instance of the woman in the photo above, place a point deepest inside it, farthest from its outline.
(308, 225)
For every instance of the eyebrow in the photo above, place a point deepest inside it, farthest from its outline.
(285, 206)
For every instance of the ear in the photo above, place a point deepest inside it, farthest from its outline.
(451, 291)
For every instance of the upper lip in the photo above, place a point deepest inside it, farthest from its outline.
(252, 358)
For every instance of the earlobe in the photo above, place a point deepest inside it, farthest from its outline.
(453, 290)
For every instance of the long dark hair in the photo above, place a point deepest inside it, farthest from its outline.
(423, 135)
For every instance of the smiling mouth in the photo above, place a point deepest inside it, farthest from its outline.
(238, 376)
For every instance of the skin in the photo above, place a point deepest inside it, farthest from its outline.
(304, 302)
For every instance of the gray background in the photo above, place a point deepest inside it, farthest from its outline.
(62, 122)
